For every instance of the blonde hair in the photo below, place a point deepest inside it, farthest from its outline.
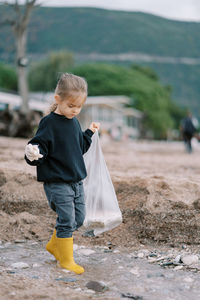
(68, 86)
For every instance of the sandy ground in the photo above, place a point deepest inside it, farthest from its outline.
(158, 189)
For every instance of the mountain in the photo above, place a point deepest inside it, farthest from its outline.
(105, 31)
(173, 47)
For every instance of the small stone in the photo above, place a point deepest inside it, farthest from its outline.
(155, 275)
(90, 292)
(153, 255)
(108, 251)
(66, 279)
(34, 243)
(96, 286)
(78, 290)
(116, 251)
(178, 268)
(20, 241)
(189, 259)
(167, 263)
(177, 259)
(131, 296)
(140, 255)
(20, 265)
(10, 272)
(65, 270)
(86, 251)
(89, 233)
(36, 265)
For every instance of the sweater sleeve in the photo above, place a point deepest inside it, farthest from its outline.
(87, 139)
(41, 139)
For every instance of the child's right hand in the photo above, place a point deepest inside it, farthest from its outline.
(94, 126)
(32, 152)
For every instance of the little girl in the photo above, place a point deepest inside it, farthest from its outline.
(57, 150)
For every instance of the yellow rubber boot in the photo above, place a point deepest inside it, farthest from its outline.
(52, 247)
(66, 259)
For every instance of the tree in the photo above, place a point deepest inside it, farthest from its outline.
(143, 86)
(17, 15)
(44, 75)
(8, 77)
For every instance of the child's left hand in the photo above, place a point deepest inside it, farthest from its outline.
(94, 126)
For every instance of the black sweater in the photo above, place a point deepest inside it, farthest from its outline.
(62, 144)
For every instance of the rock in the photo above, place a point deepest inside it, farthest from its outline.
(20, 265)
(155, 275)
(19, 241)
(178, 268)
(108, 251)
(153, 255)
(66, 279)
(131, 296)
(36, 265)
(89, 233)
(140, 255)
(90, 291)
(65, 270)
(116, 251)
(177, 259)
(96, 286)
(189, 259)
(86, 251)
(10, 272)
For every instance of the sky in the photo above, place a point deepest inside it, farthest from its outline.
(186, 10)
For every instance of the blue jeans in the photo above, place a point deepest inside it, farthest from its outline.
(67, 200)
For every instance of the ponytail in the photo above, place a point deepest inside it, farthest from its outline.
(51, 108)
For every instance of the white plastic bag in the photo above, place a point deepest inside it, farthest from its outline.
(102, 209)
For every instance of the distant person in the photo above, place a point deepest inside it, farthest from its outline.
(188, 129)
(57, 150)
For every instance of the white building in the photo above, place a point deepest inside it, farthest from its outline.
(112, 112)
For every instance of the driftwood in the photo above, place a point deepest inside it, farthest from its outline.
(15, 123)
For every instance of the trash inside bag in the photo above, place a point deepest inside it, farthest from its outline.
(102, 209)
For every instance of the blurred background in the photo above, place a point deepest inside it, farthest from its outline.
(141, 60)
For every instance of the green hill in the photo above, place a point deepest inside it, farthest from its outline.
(97, 30)
(90, 30)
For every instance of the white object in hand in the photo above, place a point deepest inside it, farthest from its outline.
(32, 152)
